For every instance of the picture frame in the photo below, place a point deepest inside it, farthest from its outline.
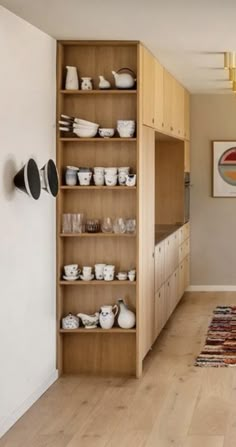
(224, 169)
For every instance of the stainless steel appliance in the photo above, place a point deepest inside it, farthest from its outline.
(186, 196)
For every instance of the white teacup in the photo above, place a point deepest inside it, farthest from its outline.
(109, 268)
(131, 180)
(124, 170)
(131, 276)
(84, 178)
(110, 171)
(71, 269)
(98, 170)
(109, 276)
(98, 179)
(111, 180)
(87, 271)
(99, 271)
(122, 178)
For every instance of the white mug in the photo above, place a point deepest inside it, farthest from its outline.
(98, 179)
(109, 276)
(84, 178)
(131, 179)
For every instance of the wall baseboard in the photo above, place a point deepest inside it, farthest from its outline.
(11, 419)
(213, 288)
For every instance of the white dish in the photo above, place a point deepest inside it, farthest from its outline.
(87, 278)
(85, 132)
(122, 278)
(70, 278)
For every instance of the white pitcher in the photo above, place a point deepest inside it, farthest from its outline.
(107, 316)
(72, 81)
(126, 319)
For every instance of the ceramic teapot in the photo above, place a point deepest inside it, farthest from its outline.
(107, 316)
(124, 78)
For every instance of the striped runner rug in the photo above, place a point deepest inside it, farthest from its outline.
(220, 346)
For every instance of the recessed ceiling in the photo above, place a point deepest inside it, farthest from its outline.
(188, 37)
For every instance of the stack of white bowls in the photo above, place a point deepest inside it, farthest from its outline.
(85, 129)
(126, 128)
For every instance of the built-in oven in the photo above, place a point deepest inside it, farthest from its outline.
(186, 196)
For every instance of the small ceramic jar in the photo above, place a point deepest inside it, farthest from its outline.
(70, 322)
(86, 83)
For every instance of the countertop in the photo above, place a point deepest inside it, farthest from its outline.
(165, 230)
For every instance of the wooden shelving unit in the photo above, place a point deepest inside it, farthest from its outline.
(83, 350)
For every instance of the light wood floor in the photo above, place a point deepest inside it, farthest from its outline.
(174, 405)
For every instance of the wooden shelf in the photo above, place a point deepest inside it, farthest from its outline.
(95, 282)
(98, 140)
(99, 92)
(103, 235)
(115, 330)
(99, 188)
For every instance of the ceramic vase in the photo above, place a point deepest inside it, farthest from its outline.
(126, 318)
(72, 81)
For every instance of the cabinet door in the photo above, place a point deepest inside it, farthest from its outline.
(175, 248)
(167, 260)
(181, 279)
(159, 311)
(148, 83)
(168, 300)
(174, 289)
(181, 252)
(159, 265)
(168, 102)
(159, 96)
(186, 272)
(180, 112)
(146, 239)
(186, 115)
(186, 156)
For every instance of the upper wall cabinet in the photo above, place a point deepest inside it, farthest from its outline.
(165, 102)
(186, 115)
(159, 96)
(148, 82)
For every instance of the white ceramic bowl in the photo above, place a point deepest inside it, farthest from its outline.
(106, 132)
(85, 123)
(85, 132)
(126, 133)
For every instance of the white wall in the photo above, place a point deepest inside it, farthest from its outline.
(27, 227)
(213, 220)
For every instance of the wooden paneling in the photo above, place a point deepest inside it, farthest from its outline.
(169, 174)
(148, 83)
(168, 102)
(160, 311)
(146, 237)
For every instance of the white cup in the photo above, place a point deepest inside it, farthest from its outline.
(109, 276)
(131, 276)
(111, 180)
(125, 170)
(84, 178)
(122, 178)
(109, 268)
(87, 271)
(99, 271)
(131, 180)
(98, 170)
(110, 171)
(98, 179)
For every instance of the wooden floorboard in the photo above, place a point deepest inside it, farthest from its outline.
(175, 404)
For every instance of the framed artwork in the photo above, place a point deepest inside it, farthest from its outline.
(224, 168)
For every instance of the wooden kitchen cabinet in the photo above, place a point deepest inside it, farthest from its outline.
(159, 265)
(168, 102)
(148, 88)
(159, 96)
(160, 311)
(186, 272)
(181, 279)
(186, 115)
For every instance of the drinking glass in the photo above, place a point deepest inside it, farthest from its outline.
(119, 225)
(78, 223)
(107, 225)
(130, 225)
(66, 223)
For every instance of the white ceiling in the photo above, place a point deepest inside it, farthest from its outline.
(188, 37)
